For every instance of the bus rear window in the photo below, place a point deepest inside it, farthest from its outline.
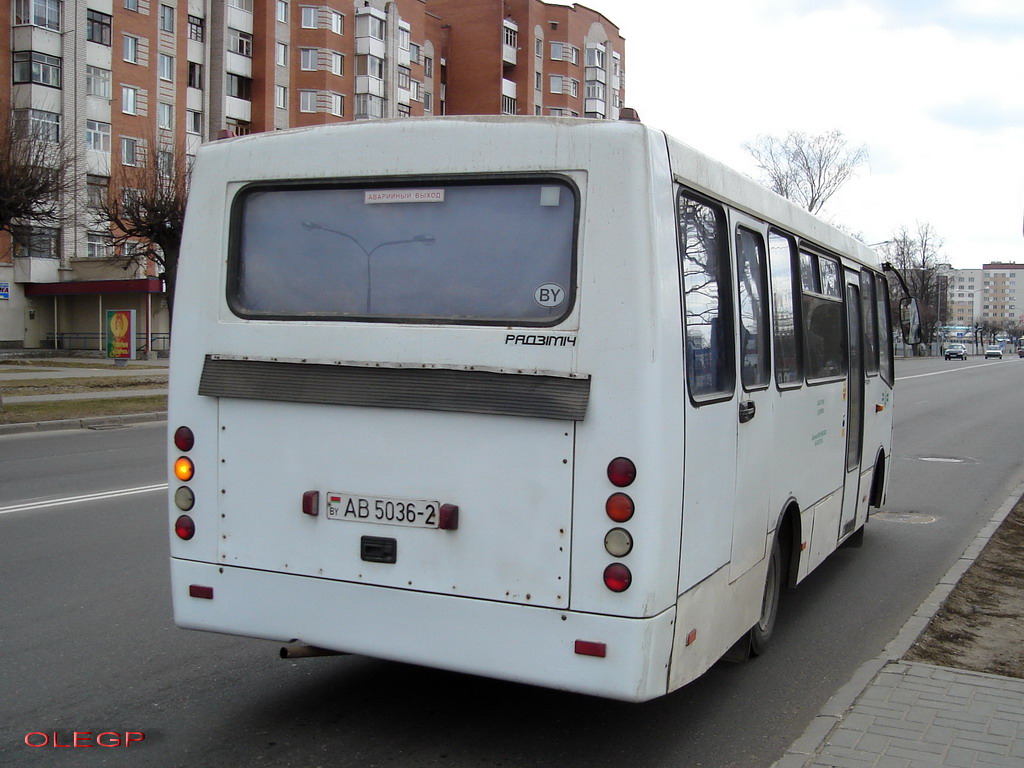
(501, 253)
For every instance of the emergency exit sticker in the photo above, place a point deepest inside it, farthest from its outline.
(379, 196)
(549, 295)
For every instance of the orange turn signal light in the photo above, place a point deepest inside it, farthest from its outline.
(184, 469)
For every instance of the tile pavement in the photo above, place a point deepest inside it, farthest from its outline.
(899, 714)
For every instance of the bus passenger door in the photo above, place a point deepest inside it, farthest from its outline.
(854, 405)
(754, 408)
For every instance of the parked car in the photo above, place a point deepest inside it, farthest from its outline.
(993, 350)
(1020, 351)
(959, 351)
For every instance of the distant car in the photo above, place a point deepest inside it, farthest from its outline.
(993, 350)
(959, 351)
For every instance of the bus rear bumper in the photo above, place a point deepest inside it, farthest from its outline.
(524, 644)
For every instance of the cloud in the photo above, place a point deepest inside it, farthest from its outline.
(979, 115)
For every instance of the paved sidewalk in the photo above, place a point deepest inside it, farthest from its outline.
(899, 714)
(915, 715)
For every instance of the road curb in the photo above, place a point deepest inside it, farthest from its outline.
(92, 422)
(831, 715)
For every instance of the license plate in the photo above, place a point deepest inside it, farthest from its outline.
(386, 510)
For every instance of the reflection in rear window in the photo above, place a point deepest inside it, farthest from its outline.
(476, 253)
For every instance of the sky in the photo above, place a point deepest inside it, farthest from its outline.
(933, 88)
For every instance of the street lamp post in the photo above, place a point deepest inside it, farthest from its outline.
(423, 239)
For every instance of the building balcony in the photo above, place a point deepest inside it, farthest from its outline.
(28, 269)
(237, 109)
(373, 86)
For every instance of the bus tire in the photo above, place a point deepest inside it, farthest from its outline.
(761, 632)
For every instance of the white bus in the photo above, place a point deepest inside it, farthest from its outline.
(556, 401)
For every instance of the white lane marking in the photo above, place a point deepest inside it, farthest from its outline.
(46, 503)
(951, 370)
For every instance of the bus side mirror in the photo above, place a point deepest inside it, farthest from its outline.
(910, 320)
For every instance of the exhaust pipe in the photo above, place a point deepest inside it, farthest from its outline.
(307, 652)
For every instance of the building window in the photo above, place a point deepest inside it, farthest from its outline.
(370, 26)
(97, 135)
(308, 59)
(97, 27)
(97, 82)
(165, 67)
(96, 190)
(131, 49)
(403, 110)
(195, 28)
(511, 36)
(165, 164)
(282, 10)
(565, 85)
(307, 101)
(39, 13)
(337, 104)
(565, 52)
(165, 116)
(281, 54)
(129, 151)
(132, 5)
(193, 122)
(428, 101)
(403, 77)
(508, 105)
(281, 96)
(595, 58)
(36, 242)
(240, 42)
(129, 100)
(538, 48)
(97, 245)
(368, 106)
(404, 38)
(239, 87)
(309, 17)
(195, 75)
(337, 63)
(166, 18)
(370, 66)
(337, 23)
(42, 125)
(242, 5)
(414, 53)
(428, 66)
(32, 67)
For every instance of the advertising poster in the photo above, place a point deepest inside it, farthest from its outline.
(121, 334)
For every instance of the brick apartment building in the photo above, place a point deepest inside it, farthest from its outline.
(127, 76)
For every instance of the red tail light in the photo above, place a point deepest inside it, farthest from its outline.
(621, 472)
(184, 440)
(617, 577)
(185, 527)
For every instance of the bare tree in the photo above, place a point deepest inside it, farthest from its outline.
(916, 255)
(36, 172)
(807, 170)
(146, 212)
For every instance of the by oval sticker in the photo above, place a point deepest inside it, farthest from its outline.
(549, 295)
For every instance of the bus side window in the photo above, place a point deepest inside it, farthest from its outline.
(751, 271)
(707, 304)
(789, 361)
(823, 320)
(870, 312)
(885, 358)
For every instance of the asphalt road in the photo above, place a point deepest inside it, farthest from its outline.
(88, 643)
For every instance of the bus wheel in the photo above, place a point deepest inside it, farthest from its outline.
(761, 633)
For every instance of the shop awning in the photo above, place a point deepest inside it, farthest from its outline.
(82, 287)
